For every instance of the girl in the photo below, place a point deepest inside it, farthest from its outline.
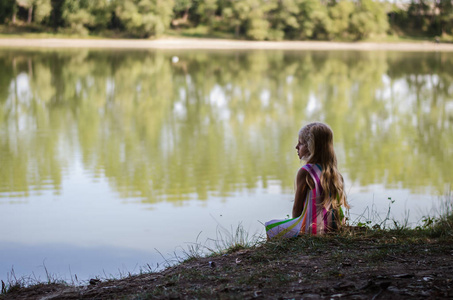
(319, 187)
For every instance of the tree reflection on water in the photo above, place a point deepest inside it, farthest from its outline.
(216, 122)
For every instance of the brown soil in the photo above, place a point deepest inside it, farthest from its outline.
(377, 266)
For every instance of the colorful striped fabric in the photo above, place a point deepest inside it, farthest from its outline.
(315, 218)
(287, 228)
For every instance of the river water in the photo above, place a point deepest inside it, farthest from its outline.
(114, 162)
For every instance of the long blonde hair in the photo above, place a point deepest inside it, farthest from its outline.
(318, 138)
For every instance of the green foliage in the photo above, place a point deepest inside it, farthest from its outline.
(31, 10)
(6, 11)
(442, 224)
(257, 29)
(83, 16)
(101, 11)
(206, 10)
(425, 18)
(251, 19)
(38, 9)
(182, 5)
(304, 19)
(340, 19)
(144, 18)
(42, 10)
(445, 20)
(369, 19)
(76, 15)
(284, 16)
(313, 19)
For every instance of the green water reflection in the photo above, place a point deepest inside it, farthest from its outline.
(214, 123)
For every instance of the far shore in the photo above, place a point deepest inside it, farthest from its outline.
(219, 44)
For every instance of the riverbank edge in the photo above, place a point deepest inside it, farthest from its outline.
(364, 264)
(219, 44)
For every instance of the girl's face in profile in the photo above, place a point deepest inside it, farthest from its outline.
(302, 148)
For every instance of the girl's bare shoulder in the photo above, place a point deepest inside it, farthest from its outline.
(302, 173)
(303, 176)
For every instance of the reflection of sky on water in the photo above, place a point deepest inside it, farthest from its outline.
(66, 261)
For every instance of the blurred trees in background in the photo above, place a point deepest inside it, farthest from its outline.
(423, 17)
(250, 19)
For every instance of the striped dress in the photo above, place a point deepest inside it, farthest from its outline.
(316, 218)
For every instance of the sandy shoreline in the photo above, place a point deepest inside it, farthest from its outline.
(211, 44)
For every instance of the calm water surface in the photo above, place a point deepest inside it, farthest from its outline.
(109, 157)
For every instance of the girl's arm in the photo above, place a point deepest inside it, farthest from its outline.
(303, 184)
